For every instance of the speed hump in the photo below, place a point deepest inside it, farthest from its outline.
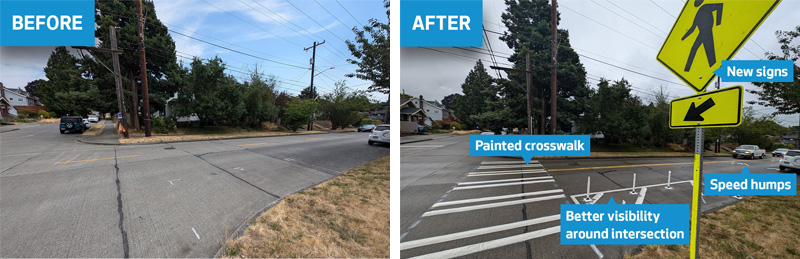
(719, 108)
(707, 32)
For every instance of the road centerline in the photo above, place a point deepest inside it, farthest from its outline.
(96, 159)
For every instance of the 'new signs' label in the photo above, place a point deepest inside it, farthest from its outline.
(720, 108)
(756, 71)
(707, 32)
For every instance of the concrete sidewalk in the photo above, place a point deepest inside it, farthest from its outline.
(106, 137)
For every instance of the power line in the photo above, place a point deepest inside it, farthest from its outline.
(348, 12)
(315, 21)
(662, 9)
(329, 12)
(637, 17)
(623, 34)
(623, 17)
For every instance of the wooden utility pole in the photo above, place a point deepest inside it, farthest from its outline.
(553, 51)
(118, 80)
(313, 91)
(143, 64)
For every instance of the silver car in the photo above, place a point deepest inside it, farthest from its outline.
(790, 160)
(379, 134)
(779, 152)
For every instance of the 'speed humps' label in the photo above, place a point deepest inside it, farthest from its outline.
(528, 146)
(747, 183)
(624, 224)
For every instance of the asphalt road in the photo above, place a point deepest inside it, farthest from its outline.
(497, 207)
(62, 198)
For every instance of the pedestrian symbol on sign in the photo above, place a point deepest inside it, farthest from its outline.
(704, 23)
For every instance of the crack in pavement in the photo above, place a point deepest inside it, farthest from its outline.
(26, 160)
(119, 209)
(603, 173)
(235, 176)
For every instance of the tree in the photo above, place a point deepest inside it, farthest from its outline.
(210, 94)
(259, 98)
(475, 95)
(784, 97)
(31, 86)
(372, 57)
(756, 130)
(299, 113)
(528, 23)
(162, 63)
(616, 113)
(342, 106)
(66, 91)
(449, 100)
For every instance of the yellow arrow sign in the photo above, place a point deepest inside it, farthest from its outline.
(720, 108)
(707, 32)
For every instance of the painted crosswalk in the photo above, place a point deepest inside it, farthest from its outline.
(494, 174)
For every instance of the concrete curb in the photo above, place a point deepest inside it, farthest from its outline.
(193, 140)
(415, 141)
(4, 131)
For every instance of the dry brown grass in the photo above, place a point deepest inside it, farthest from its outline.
(466, 132)
(758, 227)
(94, 130)
(138, 136)
(347, 216)
(51, 120)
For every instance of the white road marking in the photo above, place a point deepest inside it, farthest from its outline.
(506, 180)
(474, 248)
(509, 171)
(490, 205)
(484, 167)
(239, 168)
(421, 146)
(597, 251)
(627, 189)
(523, 172)
(507, 162)
(195, 233)
(501, 184)
(475, 232)
(596, 198)
(448, 203)
(170, 181)
(640, 199)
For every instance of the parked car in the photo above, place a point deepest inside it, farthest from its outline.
(749, 151)
(779, 152)
(87, 123)
(71, 123)
(94, 118)
(366, 127)
(421, 128)
(379, 135)
(790, 160)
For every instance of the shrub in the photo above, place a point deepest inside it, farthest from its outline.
(163, 125)
(366, 121)
(44, 114)
(455, 125)
(22, 116)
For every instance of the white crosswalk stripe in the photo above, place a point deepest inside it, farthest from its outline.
(485, 167)
(493, 198)
(507, 162)
(506, 180)
(522, 172)
(475, 232)
(500, 184)
(474, 248)
(491, 205)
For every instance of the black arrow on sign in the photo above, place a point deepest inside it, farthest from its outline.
(694, 112)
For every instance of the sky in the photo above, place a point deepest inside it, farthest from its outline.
(276, 30)
(625, 33)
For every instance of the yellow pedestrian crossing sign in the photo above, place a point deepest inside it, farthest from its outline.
(719, 108)
(707, 32)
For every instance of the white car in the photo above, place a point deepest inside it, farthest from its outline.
(790, 160)
(94, 118)
(380, 134)
(87, 123)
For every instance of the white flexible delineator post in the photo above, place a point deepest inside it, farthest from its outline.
(669, 179)
(588, 181)
(633, 189)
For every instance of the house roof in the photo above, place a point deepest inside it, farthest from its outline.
(404, 101)
(4, 101)
(412, 111)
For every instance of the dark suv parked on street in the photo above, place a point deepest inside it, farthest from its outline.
(71, 123)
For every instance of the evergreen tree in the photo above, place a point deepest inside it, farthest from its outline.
(475, 95)
(342, 106)
(66, 91)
